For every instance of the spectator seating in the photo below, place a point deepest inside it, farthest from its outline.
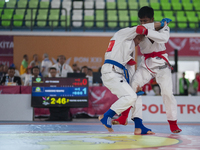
(95, 14)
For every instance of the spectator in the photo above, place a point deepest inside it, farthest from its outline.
(75, 68)
(35, 73)
(24, 64)
(52, 72)
(62, 68)
(46, 64)
(10, 79)
(28, 74)
(183, 85)
(198, 80)
(1, 71)
(16, 71)
(194, 86)
(90, 76)
(84, 69)
(5, 70)
(35, 61)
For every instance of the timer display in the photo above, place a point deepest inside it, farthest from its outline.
(59, 92)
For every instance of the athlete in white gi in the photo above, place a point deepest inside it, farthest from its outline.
(154, 64)
(121, 50)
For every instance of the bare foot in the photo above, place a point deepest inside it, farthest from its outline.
(138, 131)
(114, 122)
(109, 129)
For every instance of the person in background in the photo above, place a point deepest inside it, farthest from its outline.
(35, 73)
(90, 76)
(52, 72)
(16, 71)
(1, 71)
(62, 68)
(10, 79)
(183, 85)
(84, 69)
(26, 75)
(75, 68)
(155, 87)
(5, 70)
(24, 64)
(46, 64)
(194, 86)
(198, 80)
(35, 61)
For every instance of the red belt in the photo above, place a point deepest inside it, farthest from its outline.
(156, 54)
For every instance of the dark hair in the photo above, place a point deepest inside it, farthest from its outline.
(35, 55)
(146, 11)
(35, 67)
(90, 69)
(84, 67)
(74, 65)
(11, 68)
(25, 56)
(52, 68)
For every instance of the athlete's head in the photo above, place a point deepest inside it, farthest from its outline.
(146, 14)
(138, 39)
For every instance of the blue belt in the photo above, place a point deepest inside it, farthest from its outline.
(126, 75)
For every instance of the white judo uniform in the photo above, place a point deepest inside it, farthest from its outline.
(157, 67)
(121, 49)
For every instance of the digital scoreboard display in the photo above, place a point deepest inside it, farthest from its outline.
(59, 92)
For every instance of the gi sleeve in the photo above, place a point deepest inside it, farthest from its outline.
(161, 36)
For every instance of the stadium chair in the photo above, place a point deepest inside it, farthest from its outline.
(193, 20)
(54, 11)
(197, 6)
(153, 1)
(143, 3)
(89, 4)
(88, 21)
(121, 0)
(11, 4)
(198, 13)
(6, 23)
(63, 22)
(166, 6)
(123, 21)
(99, 4)
(157, 13)
(55, 4)
(99, 12)
(112, 21)
(158, 18)
(77, 20)
(44, 4)
(133, 5)
(33, 4)
(18, 23)
(31, 11)
(77, 4)
(2, 3)
(111, 12)
(133, 13)
(123, 12)
(28, 20)
(177, 6)
(182, 22)
(1, 12)
(134, 21)
(187, 6)
(130, 1)
(8, 11)
(175, 1)
(172, 24)
(43, 11)
(121, 5)
(155, 6)
(185, 1)
(110, 5)
(170, 14)
(20, 11)
(100, 21)
(54, 21)
(41, 20)
(22, 4)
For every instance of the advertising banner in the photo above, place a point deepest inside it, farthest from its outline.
(186, 46)
(6, 45)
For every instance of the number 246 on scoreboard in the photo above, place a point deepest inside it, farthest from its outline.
(59, 101)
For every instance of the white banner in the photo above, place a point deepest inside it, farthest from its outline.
(188, 108)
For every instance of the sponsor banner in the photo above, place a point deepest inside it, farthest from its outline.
(6, 45)
(186, 46)
(188, 109)
(6, 60)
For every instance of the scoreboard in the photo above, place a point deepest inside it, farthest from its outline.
(59, 92)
